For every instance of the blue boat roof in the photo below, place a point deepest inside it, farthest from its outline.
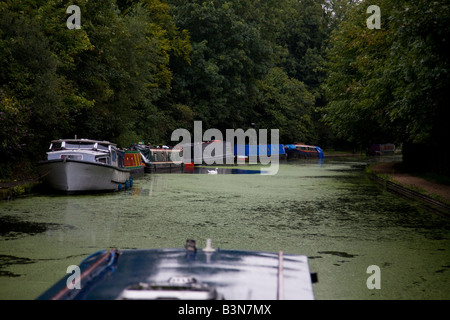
(188, 274)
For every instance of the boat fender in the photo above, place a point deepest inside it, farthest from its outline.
(191, 250)
(314, 277)
(131, 182)
(126, 184)
(190, 245)
(119, 187)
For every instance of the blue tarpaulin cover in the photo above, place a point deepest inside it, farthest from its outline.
(256, 150)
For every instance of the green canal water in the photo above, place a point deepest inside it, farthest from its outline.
(331, 212)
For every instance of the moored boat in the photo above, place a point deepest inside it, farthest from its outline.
(304, 151)
(83, 165)
(160, 159)
(381, 149)
(133, 162)
(245, 152)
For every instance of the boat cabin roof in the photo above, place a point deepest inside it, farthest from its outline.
(305, 147)
(189, 274)
(84, 141)
(81, 144)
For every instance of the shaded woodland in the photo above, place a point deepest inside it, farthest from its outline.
(137, 70)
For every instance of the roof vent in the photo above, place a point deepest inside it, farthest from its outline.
(209, 247)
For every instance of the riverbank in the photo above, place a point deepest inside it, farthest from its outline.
(17, 187)
(431, 193)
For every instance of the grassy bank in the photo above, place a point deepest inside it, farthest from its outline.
(18, 178)
(13, 189)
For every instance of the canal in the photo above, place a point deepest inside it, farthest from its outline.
(331, 212)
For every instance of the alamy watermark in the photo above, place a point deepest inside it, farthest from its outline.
(74, 20)
(374, 21)
(74, 280)
(218, 151)
(374, 281)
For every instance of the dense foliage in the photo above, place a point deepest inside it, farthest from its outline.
(392, 84)
(139, 69)
(108, 80)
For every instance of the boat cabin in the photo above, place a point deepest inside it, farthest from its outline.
(103, 152)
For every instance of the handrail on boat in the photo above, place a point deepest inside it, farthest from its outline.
(111, 253)
(280, 284)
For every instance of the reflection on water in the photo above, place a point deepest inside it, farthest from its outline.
(11, 227)
(203, 170)
(329, 211)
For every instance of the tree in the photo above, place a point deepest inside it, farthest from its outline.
(354, 110)
(285, 104)
(238, 62)
(127, 72)
(420, 56)
(228, 54)
(390, 84)
(33, 60)
(109, 80)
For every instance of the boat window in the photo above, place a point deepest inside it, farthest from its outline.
(79, 145)
(102, 147)
(56, 146)
(72, 156)
(103, 160)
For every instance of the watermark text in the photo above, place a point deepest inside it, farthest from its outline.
(374, 281)
(220, 150)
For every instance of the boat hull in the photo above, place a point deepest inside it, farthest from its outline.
(73, 176)
(164, 167)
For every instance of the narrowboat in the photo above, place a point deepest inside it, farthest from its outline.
(159, 159)
(245, 152)
(208, 152)
(188, 273)
(133, 162)
(304, 151)
(381, 149)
